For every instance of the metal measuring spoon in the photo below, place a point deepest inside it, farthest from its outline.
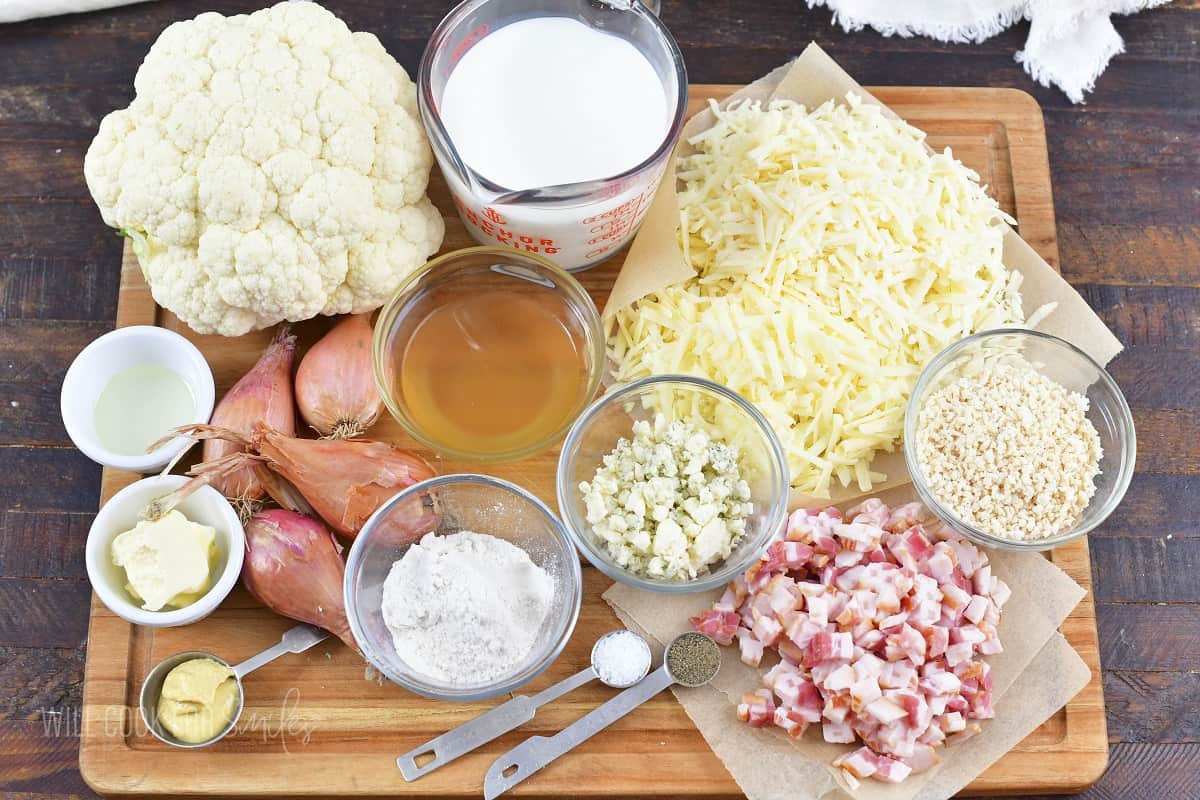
(506, 716)
(537, 751)
(295, 640)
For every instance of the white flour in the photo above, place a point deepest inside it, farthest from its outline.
(465, 608)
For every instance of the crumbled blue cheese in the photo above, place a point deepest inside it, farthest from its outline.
(669, 502)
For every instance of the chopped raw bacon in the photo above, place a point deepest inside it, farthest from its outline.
(720, 625)
(879, 618)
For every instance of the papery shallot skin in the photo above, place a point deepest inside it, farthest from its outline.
(879, 619)
(345, 481)
(262, 395)
(294, 567)
(335, 382)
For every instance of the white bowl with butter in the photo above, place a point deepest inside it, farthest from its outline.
(157, 567)
(128, 388)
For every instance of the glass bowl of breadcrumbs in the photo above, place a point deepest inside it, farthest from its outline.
(1018, 439)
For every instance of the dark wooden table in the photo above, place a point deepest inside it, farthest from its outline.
(1126, 173)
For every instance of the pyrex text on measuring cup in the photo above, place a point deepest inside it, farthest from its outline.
(553, 120)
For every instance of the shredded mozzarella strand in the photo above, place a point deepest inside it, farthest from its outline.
(834, 256)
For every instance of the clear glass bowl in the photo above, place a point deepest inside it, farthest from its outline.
(466, 502)
(727, 415)
(468, 274)
(1063, 363)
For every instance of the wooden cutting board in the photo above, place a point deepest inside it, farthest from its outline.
(313, 726)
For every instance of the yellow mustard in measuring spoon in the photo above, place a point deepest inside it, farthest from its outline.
(199, 699)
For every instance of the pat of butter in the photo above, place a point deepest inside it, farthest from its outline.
(167, 562)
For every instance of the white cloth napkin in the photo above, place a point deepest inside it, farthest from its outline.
(1070, 41)
(17, 10)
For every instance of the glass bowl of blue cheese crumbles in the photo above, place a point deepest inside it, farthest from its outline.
(672, 484)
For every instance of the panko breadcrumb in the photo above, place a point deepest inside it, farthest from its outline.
(1009, 451)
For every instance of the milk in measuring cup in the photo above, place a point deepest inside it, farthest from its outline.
(545, 102)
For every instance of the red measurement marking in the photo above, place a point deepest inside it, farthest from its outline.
(469, 41)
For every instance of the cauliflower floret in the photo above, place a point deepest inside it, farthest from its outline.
(270, 167)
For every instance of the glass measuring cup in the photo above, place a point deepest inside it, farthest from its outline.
(576, 225)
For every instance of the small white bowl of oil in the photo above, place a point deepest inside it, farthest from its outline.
(128, 389)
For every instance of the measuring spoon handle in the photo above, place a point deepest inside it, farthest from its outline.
(486, 727)
(295, 640)
(537, 751)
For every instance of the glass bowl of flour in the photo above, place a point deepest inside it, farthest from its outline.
(477, 606)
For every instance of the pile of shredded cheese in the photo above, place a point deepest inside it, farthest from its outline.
(834, 256)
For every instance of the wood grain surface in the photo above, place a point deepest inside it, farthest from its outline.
(998, 132)
(1125, 171)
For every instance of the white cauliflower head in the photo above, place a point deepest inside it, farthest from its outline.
(270, 167)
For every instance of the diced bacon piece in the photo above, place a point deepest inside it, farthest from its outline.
(720, 625)
(783, 595)
(827, 646)
(766, 629)
(757, 708)
(898, 675)
(811, 589)
(847, 558)
(952, 722)
(989, 647)
(1000, 593)
(785, 555)
(802, 630)
(941, 683)
(892, 623)
(868, 665)
(977, 608)
(778, 671)
(864, 693)
(959, 653)
(818, 608)
(938, 639)
(933, 735)
(886, 711)
(869, 640)
(889, 600)
(890, 770)
(837, 732)
(912, 643)
(858, 535)
(859, 763)
(938, 703)
(871, 511)
(837, 708)
(800, 526)
(751, 649)
(740, 589)
(954, 597)
(840, 680)
(789, 651)
(940, 565)
(801, 697)
(727, 603)
(915, 704)
(903, 517)
(923, 758)
(983, 581)
(969, 558)
(967, 633)
(794, 727)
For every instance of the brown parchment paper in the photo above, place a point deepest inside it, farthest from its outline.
(655, 260)
(1036, 675)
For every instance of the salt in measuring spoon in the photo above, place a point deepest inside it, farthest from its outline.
(522, 708)
(294, 640)
(692, 659)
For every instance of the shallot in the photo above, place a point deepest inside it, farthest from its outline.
(335, 383)
(294, 567)
(344, 480)
(263, 395)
